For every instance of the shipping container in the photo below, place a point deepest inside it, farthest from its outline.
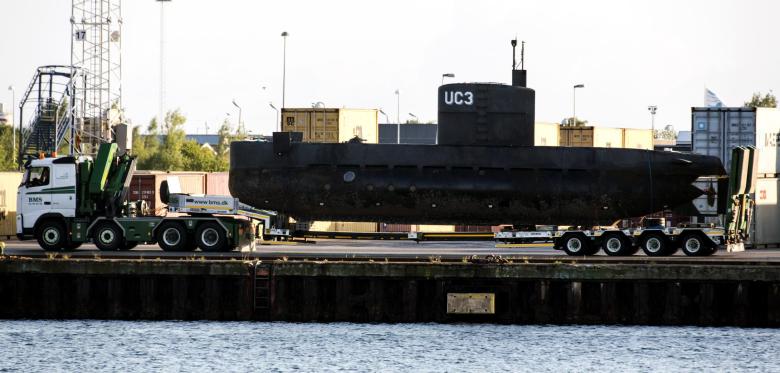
(385, 227)
(145, 185)
(546, 134)
(588, 136)
(217, 184)
(411, 133)
(707, 204)
(473, 228)
(341, 226)
(427, 228)
(716, 131)
(9, 183)
(767, 213)
(332, 125)
(607, 137)
(634, 138)
(767, 139)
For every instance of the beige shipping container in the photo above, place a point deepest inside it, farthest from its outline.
(634, 138)
(332, 125)
(607, 137)
(546, 134)
(343, 226)
(9, 184)
(433, 228)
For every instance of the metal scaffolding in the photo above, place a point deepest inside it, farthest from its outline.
(96, 45)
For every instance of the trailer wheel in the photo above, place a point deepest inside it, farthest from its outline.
(576, 245)
(210, 237)
(654, 244)
(107, 237)
(51, 235)
(616, 244)
(172, 236)
(694, 245)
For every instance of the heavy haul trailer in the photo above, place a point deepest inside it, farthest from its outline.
(64, 202)
(653, 237)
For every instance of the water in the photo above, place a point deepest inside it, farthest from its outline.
(136, 346)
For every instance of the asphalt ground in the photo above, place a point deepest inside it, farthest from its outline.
(390, 250)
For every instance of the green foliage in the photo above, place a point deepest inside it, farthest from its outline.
(570, 122)
(175, 152)
(668, 133)
(6, 156)
(767, 100)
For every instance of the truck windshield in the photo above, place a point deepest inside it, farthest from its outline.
(37, 176)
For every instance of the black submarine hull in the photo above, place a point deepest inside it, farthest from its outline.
(448, 184)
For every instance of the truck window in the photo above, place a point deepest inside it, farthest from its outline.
(37, 176)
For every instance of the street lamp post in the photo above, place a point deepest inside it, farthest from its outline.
(398, 114)
(13, 117)
(278, 121)
(447, 75)
(415, 117)
(284, 65)
(161, 114)
(574, 103)
(387, 120)
(240, 124)
(652, 109)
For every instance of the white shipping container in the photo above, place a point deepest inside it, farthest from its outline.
(767, 213)
(767, 136)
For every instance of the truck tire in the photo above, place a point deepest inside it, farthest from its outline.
(616, 244)
(107, 236)
(51, 235)
(210, 237)
(694, 245)
(655, 244)
(576, 245)
(172, 236)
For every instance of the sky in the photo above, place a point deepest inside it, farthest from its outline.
(356, 54)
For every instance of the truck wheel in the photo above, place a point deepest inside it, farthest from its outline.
(211, 237)
(576, 245)
(172, 236)
(654, 244)
(694, 245)
(51, 235)
(107, 237)
(616, 245)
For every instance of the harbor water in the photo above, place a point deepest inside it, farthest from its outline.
(135, 346)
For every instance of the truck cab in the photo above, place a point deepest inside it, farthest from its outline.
(47, 193)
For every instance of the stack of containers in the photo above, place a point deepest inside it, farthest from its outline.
(716, 131)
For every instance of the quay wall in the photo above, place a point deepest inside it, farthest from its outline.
(558, 293)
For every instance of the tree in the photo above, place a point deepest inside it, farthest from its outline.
(6, 146)
(570, 122)
(768, 100)
(175, 152)
(668, 133)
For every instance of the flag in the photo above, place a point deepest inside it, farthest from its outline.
(710, 100)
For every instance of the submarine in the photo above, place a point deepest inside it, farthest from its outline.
(484, 170)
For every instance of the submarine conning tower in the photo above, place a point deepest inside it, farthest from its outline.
(488, 114)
